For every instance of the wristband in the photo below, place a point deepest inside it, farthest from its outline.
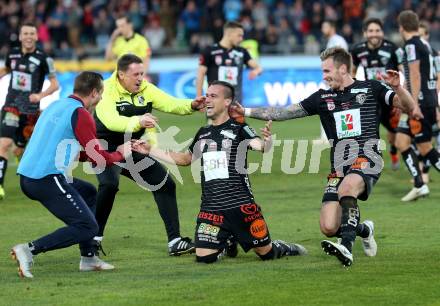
(247, 112)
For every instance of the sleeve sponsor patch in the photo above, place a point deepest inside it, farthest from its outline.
(410, 50)
(250, 131)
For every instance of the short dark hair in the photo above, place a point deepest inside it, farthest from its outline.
(369, 21)
(339, 55)
(127, 19)
(424, 25)
(228, 89)
(86, 81)
(409, 21)
(331, 23)
(28, 24)
(126, 60)
(232, 25)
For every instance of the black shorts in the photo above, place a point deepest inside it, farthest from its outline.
(389, 118)
(17, 126)
(421, 130)
(334, 180)
(246, 223)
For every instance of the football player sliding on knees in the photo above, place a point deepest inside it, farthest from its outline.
(228, 207)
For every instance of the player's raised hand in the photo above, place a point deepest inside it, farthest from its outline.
(392, 78)
(236, 112)
(198, 103)
(148, 120)
(253, 74)
(140, 146)
(267, 136)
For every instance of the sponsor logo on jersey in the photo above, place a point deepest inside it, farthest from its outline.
(328, 95)
(218, 60)
(208, 229)
(410, 52)
(228, 134)
(384, 53)
(361, 98)
(211, 217)
(34, 60)
(384, 60)
(365, 53)
(364, 62)
(249, 209)
(228, 62)
(358, 90)
(204, 135)
(13, 64)
(219, 51)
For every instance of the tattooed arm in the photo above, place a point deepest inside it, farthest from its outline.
(277, 113)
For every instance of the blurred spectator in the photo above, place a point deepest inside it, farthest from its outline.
(83, 26)
(333, 39)
(57, 23)
(155, 33)
(190, 19)
(232, 10)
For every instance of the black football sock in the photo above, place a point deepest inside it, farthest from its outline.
(272, 254)
(426, 165)
(412, 162)
(349, 221)
(434, 158)
(362, 230)
(3, 167)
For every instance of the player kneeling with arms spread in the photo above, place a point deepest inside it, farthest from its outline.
(228, 206)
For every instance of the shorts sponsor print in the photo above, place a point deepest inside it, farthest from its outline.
(246, 223)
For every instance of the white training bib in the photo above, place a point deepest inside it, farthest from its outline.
(228, 74)
(215, 165)
(348, 123)
(21, 81)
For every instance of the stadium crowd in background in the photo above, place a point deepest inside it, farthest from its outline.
(71, 29)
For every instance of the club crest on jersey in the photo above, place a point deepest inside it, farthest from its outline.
(330, 104)
(141, 100)
(364, 62)
(228, 134)
(361, 98)
(32, 67)
(218, 60)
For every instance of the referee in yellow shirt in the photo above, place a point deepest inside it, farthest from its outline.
(124, 40)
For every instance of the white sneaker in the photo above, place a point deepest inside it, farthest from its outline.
(339, 251)
(93, 264)
(416, 193)
(369, 244)
(22, 254)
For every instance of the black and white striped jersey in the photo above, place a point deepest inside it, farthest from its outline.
(223, 153)
(350, 119)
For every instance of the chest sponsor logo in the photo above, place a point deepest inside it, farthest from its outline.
(21, 81)
(218, 60)
(348, 123)
(215, 165)
(34, 60)
(360, 98)
(228, 74)
(228, 134)
(329, 95)
(373, 73)
(384, 53)
(358, 90)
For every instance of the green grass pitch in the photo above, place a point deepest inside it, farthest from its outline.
(406, 270)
